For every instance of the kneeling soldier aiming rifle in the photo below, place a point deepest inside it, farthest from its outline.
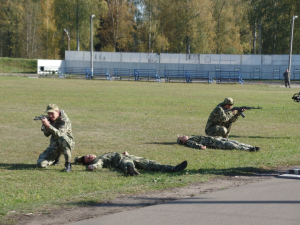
(223, 116)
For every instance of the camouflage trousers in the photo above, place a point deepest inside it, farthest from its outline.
(64, 145)
(219, 131)
(143, 163)
(224, 143)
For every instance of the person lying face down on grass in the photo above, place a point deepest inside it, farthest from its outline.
(127, 163)
(202, 141)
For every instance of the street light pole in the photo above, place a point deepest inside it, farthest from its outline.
(77, 25)
(291, 42)
(92, 74)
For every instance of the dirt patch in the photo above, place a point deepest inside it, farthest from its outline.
(126, 202)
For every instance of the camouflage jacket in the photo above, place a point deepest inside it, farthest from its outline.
(111, 159)
(199, 141)
(219, 117)
(61, 126)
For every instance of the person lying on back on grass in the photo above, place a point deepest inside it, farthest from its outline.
(127, 163)
(202, 141)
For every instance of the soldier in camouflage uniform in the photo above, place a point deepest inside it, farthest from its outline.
(127, 163)
(219, 122)
(201, 142)
(58, 125)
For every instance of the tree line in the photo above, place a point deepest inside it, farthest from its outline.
(42, 28)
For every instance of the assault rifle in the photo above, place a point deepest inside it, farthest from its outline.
(296, 97)
(41, 117)
(239, 109)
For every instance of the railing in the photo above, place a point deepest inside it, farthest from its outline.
(198, 75)
(146, 73)
(229, 76)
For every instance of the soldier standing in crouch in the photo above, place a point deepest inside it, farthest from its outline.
(61, 141)
(128, 163)
(219, 122)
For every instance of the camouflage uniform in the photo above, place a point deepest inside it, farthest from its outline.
(214, 142)
(121, 161)
(219, 122)
(61, 141)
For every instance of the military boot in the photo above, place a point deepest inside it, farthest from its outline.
(254, 149)
(180, 166)
(68, 167)
(132, 171)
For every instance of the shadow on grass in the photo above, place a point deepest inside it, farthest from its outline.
(18, 166)
(227, 172)
(162, 143)
(240, 136)
(237, 171)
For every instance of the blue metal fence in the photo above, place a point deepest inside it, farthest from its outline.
(75, 70)
(120, 73)
(175, 75)
(199, 75)
(97, 72)
(234, 76)
(146, 73)
(187, 75)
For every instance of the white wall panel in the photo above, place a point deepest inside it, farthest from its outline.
(126, 57)
(266, 60)
(251, 59)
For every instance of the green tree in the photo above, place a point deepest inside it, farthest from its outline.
(117, 27)
(19, 27)
(49, 34)
(74, 15)
(11, 24)
(275, 19)
(230, 25)
(180, 26)
(31, 33)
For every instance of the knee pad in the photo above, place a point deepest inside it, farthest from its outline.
(42, 164)
(222, 130)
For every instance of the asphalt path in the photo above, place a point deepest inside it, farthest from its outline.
(274, 201)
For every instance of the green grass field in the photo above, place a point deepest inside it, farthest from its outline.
(142, 118)
(17, 65)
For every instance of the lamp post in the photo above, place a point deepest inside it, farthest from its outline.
(291, 42)
(68, 38)
(77, 25)
(92, 17)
